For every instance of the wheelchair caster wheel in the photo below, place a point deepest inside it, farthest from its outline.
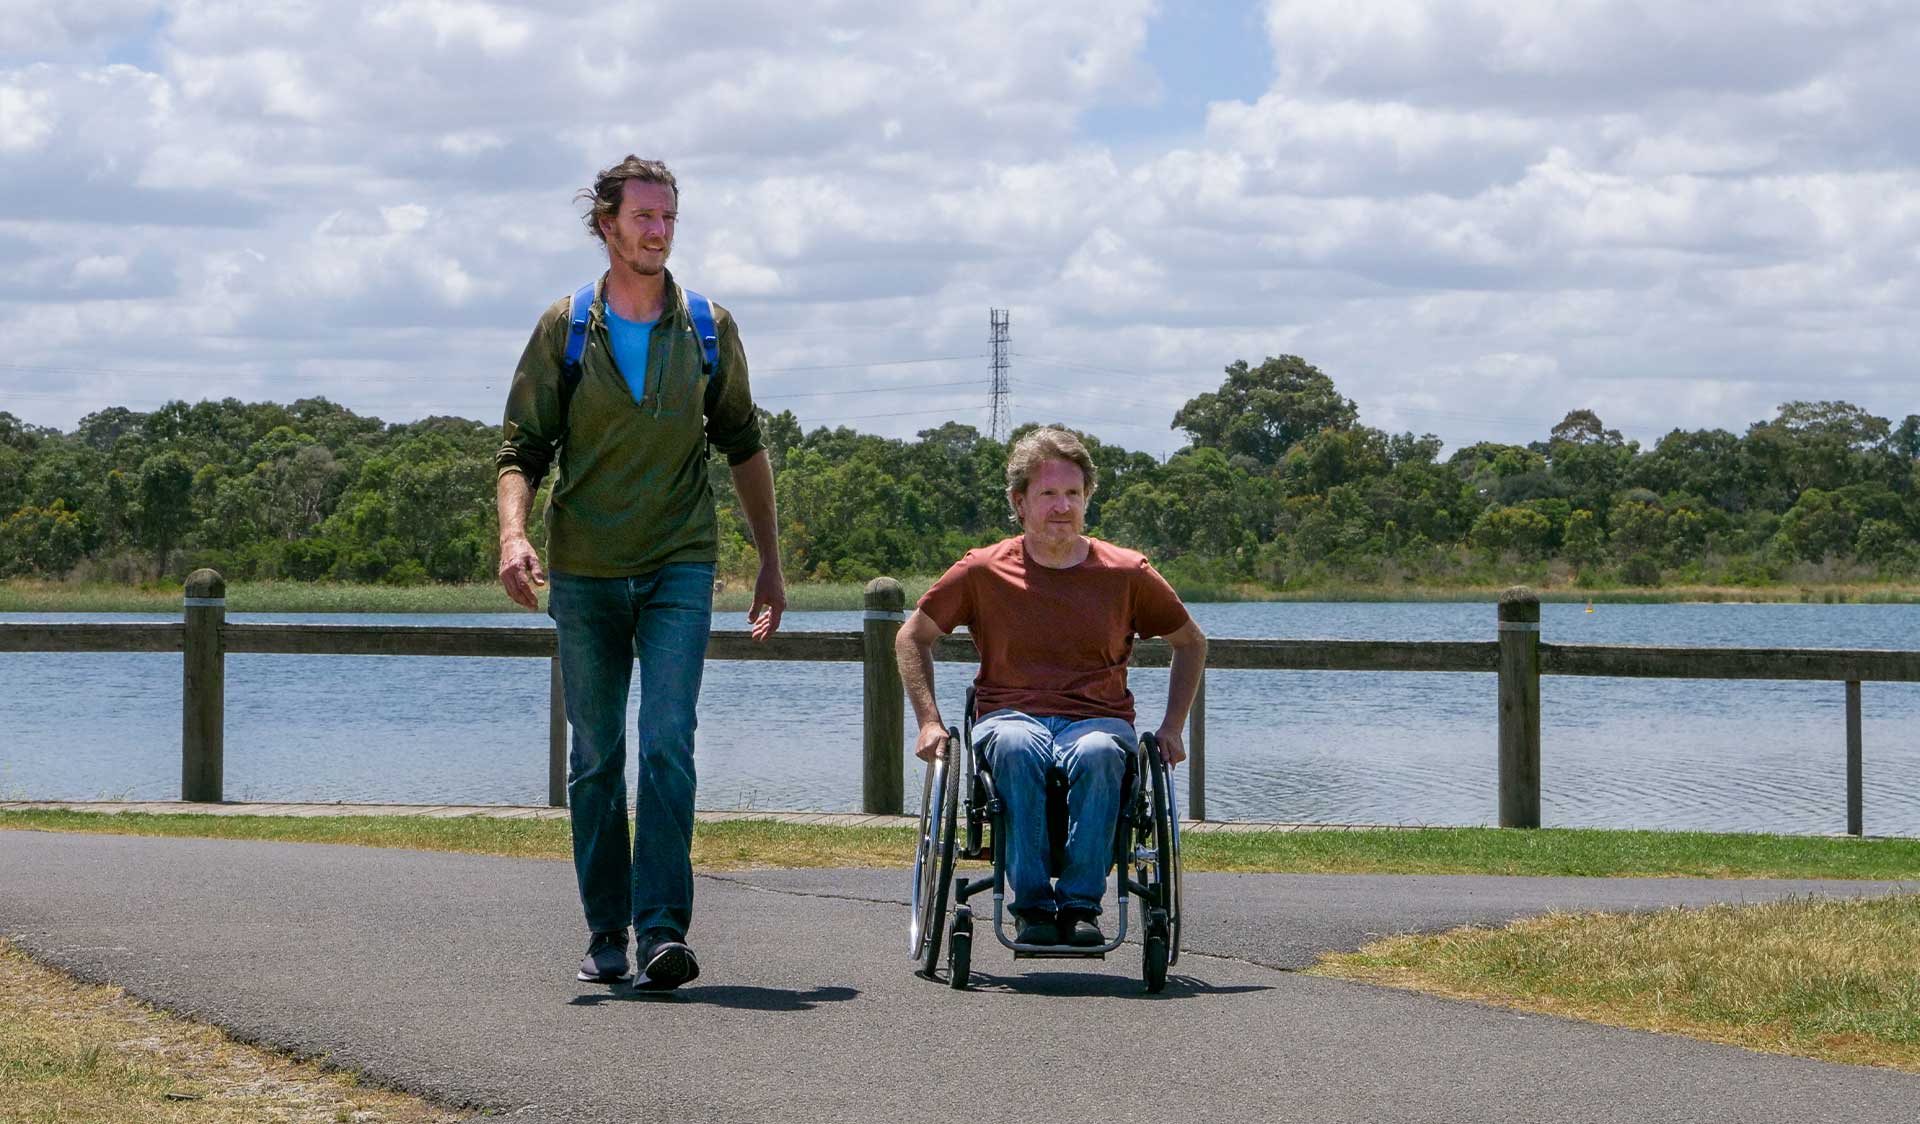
(1154, 951)
(960, 949)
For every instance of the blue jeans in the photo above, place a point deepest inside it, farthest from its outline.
(604, 624)
(1092, 754)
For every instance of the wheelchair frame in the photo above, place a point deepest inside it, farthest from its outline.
(1146, 862)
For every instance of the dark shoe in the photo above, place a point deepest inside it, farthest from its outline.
(666, 962)
(1035, 928)
(606, 960)
(1078, 928)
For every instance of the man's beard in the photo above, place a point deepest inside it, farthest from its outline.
(640, 261)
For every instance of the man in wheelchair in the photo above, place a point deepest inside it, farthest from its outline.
(1053, 614)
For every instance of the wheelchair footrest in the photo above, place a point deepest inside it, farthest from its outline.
(1062, 954)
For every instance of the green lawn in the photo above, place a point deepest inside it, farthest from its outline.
(1423, 851)
(1835, 980)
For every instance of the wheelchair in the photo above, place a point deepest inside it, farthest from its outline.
(1146, 860)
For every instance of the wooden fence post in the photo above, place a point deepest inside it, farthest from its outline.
(882, 785)
(1519, 629)
(556, 738)
(1197, 753)
(203, 690)
(1855, 819)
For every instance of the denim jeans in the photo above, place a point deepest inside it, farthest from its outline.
(604, 624)
(1092, 754)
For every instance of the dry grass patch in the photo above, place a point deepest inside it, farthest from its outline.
(1837, 980)
(73, 1052)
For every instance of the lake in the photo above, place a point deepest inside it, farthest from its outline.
(1333, 747)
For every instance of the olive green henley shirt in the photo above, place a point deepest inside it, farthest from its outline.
(630, 490)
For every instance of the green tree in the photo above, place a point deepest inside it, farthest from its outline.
(43, 540)
(1330, 457)
(1584, 541)
(1201, 504)
(165, 505)
(1882, 542)
(1639, 526)
(1819, 525)
(1520, 530)
(1261, 412)
(1711, 463)
(1584, 427)
(1823, 445)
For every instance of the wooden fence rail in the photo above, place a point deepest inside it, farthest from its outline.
(1517, 657)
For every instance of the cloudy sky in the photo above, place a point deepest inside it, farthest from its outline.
(1474, 214)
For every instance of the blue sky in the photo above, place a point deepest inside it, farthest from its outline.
(1195, 54)
(1474, 215)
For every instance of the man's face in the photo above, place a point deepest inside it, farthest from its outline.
(640, 234)
(1054, 507)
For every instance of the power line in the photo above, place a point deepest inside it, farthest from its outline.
(868, 390)
(198, 373)
(1077, 366)
(875, 363)
(1044, 390)
(903, 414)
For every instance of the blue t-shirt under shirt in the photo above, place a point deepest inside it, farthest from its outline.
(629, 339)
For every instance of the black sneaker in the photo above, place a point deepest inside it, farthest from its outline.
(1035, 928)
(666, 962)
(606, 959)
(1078, 928)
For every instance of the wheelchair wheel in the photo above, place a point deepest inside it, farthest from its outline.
(1166, 844)
(1153, 951)
(960, 949)
(933, 859)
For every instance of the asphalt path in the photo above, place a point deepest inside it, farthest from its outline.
(451, 976)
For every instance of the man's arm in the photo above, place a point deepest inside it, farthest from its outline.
(913, 648)
(520, 568)
(1183, 682)
(753, 483)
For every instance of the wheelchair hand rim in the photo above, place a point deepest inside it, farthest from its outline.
(932, 798)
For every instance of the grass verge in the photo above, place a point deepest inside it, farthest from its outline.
(76, 1052)
(738, 844)
(1833, 980)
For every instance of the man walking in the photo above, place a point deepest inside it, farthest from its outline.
(625, 420)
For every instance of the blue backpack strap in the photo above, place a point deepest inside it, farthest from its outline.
(701, 312)
(581, 315)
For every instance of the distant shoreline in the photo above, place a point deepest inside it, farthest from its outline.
(323, 597)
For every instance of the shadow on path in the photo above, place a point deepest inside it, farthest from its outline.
(1095, 984)
(744, 998)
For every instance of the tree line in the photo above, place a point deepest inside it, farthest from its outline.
(1279, 484)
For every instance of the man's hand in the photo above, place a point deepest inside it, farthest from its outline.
(769, 601)
(1173, 748)
(520, 571)
(932, 742)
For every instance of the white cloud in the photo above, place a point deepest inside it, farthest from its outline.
(1475, 215)
(37, 29)
(26, 118)
(492, 29)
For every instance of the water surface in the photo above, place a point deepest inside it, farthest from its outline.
(1335, 747)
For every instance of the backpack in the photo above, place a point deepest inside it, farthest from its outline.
(698, 308)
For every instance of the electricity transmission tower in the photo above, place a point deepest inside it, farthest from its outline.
(1001, 426)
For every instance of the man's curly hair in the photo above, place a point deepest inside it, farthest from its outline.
(610, 185)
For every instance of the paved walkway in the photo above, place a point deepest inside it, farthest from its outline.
(541, 812)
(451, 975)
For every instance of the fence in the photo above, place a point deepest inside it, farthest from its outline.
(1517, 657)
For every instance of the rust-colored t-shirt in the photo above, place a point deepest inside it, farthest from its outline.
(1054, 643)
